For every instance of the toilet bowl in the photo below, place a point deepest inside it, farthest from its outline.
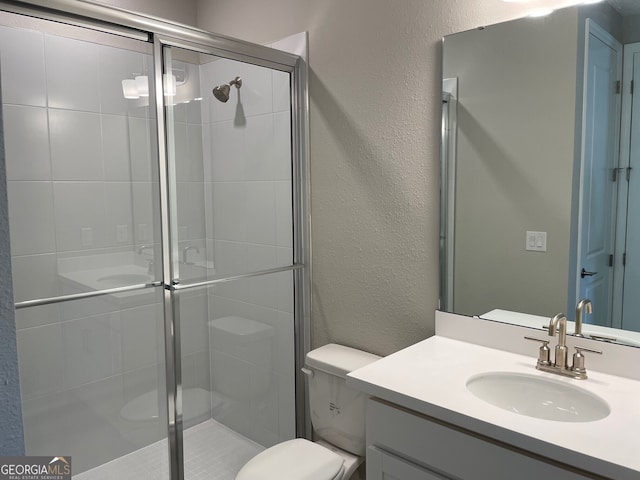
(338, 418)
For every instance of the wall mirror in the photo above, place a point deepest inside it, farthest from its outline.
(541, 169)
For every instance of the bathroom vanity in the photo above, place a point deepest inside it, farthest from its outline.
(534, 221)
(425, 423)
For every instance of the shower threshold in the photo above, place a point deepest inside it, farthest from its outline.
(212, 451)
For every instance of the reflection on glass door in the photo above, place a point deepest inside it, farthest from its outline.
(229, 131)
(82, 185)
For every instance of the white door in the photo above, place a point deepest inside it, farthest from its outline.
(600, 130)
(631, 292)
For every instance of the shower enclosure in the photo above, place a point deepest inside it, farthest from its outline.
(159, 239)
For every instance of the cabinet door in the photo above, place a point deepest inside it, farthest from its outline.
(382, 465)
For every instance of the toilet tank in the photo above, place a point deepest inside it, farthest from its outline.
(337, 411)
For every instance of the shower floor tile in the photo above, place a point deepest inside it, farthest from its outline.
(212, 451)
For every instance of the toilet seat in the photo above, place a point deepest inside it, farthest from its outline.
(297, 459)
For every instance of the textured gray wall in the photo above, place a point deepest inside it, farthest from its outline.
(11, 435)
(181, 11)
(375, 136)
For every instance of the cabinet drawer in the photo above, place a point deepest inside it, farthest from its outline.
(451, 452)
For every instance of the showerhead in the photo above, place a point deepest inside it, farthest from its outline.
(221, 92)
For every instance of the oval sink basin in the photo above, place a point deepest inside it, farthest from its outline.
(538, 397)
(121, 279)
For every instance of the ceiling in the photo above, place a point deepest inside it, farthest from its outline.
(626, 7)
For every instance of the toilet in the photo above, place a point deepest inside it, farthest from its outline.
(338, 418)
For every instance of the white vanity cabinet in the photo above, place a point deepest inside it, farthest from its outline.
(424, 422)
(405, 445)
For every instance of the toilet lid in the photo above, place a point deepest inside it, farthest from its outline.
(297, 459)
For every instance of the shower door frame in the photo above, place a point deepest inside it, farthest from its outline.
(164, 34)
(170, 259)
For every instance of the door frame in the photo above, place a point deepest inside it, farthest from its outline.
(630, 50)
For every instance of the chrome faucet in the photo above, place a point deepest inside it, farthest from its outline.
(559, 322)
(559, 366)
(141, 250)
(185, 254)
(584, 305)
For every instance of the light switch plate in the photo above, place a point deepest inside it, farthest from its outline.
(536, 241)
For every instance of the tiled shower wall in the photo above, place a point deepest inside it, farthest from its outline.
(248, 207)
(80, 195)
(79, 156)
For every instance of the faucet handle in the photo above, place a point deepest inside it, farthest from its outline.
(578, 360)
(544, 352)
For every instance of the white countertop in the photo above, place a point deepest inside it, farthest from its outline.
(430, 378)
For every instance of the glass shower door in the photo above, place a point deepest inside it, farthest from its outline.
(83, 193)
(229, 149)
(153, 247)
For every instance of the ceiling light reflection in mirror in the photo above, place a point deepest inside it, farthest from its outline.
(542, 8)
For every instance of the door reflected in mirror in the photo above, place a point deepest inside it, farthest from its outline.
(541, 166)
